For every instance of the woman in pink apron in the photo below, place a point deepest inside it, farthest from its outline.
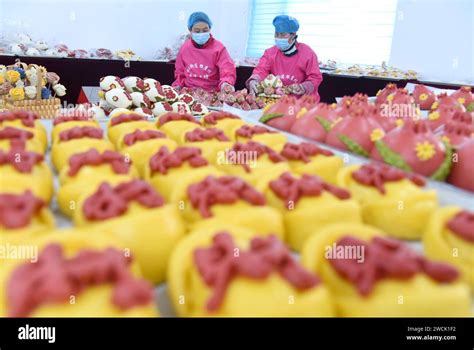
(295, 63)
(203, 61)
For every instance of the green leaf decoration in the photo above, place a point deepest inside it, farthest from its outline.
(265, 118)
(353, 146)
(470, 107)
(324, 123)
(390, 157)
(445, 168)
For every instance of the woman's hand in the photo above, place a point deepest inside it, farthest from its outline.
(227, 88)
(297, 89)
(253, 86)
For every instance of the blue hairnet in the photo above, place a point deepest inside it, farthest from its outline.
(286, 24)
(197, 17)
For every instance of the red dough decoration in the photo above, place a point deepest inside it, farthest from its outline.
(376, 175)
(218, 265)
(17, 137)
(164, 160)
(256, 150)
(291, 189)
(303, 151)
(172, 116)
(198, 135)
(20, 159)
(72, 118)
(213, 117)
(386, 258)
(118, 162)
(223, 190)
(27, 118)
(142, 135)
(248, 131)
(109, 202)
(79, 132)
(10, 133)
(54, 278)
(462, 224)
(17, 210)
(126, 118)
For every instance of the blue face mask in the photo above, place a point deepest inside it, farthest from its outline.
(282, 43)
(200, 38)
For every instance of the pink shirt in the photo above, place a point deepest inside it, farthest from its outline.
(207, 67)
(301, 68)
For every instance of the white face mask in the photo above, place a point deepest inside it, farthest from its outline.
(282, 43)
(200, 38)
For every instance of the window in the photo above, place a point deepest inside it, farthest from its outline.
(261, 28)
(347, 31)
